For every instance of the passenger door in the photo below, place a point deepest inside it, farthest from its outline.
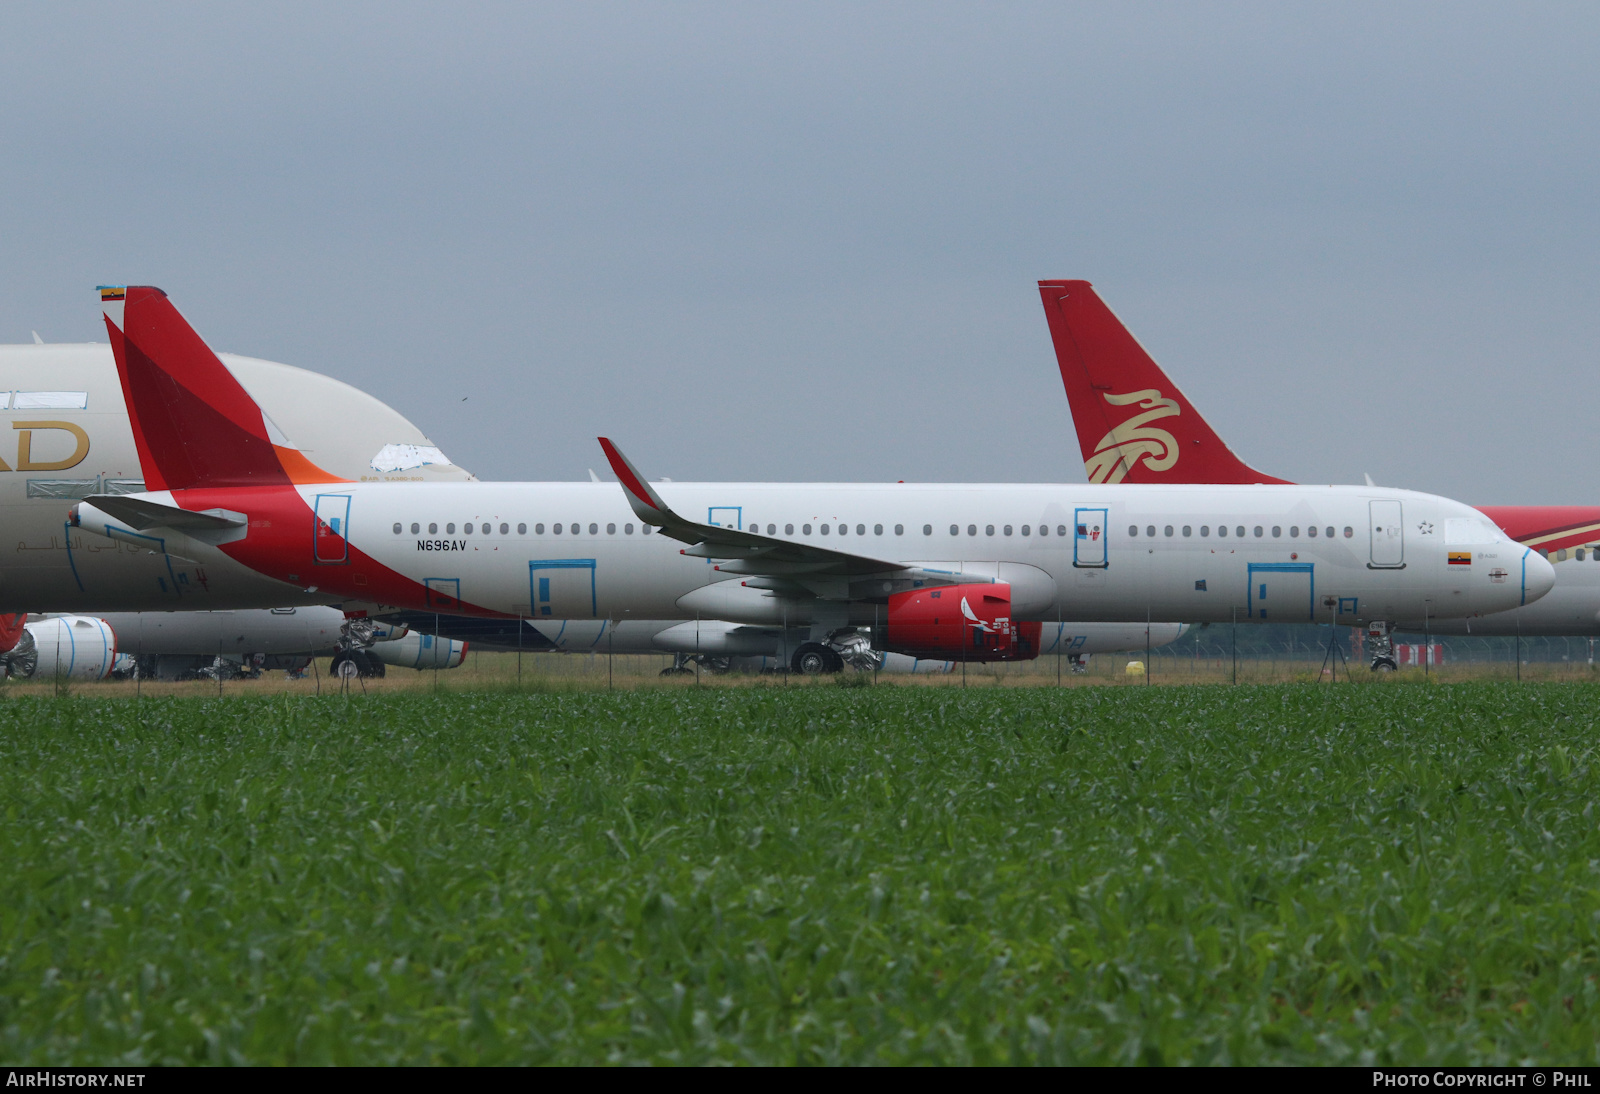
(1387, 522)
(329, 540)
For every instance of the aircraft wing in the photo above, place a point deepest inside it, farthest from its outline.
(745, 552)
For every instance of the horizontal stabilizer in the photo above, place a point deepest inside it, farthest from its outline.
(142, 513)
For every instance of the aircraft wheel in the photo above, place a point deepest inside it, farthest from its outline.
(814, 659)
(1384, 664)
(349, 664)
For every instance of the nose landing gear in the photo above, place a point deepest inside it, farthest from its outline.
(1380, 638)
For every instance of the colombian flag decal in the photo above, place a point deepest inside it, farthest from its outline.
(1461, 558)
(113, 292)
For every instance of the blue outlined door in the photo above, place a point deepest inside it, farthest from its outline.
(1281, 592)
(563, 588)
(1089, 538)
(726, 516)
(444, 593)
(331, 529)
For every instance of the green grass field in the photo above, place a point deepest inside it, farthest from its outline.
(828, 874)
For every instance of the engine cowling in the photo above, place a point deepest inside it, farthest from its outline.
(78, 647)
(959, 623)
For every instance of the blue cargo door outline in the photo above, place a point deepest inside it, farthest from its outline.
(539, 587)
(1254, 607)
(726, 516)
(330, 529)
(1090, 528)
(444, 593)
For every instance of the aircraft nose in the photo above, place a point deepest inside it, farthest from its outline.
(1539, 577)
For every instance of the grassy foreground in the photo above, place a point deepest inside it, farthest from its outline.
(823, 874)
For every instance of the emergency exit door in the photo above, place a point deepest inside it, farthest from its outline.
(1089, 538)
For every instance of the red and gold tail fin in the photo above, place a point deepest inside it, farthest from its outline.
(1134, 425)
(193, 423)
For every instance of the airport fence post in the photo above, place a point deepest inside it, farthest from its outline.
(1149, 666)
(1235, 613)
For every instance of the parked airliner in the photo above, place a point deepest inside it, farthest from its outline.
(1135, 426)
(967, 570)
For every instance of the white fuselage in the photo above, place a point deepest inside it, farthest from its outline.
(1107, 553)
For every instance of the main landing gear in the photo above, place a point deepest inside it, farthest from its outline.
(843, 647)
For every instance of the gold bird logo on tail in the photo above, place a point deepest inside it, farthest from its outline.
(1133, 440)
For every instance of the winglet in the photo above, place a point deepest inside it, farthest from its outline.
(646, 503)
(1118, 393)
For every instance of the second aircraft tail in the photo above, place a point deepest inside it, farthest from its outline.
(1133, 423)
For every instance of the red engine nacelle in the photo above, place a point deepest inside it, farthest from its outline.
(959, 623)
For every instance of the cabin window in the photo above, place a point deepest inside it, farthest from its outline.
(772, 529)
(646, 530)
(988, 529)
(415, 528)
(1188, 530)
(1168, 531)
(555, 529)
(1205, 530)
(1222, 530)
(466, 529)
(1239, 531)
(449, 529)
(1259, 531)
(1312, 531)
(1348, 531)
(972, 529)
(805, 529)
(538, 529)
(877, 529)
(397, 529)
(900, 529)
(1061, 529)
(594, 529)
(627, 529)
(1133, 530)
(611, 529)
(1294, 531)
(1027, 529)
(433, 529)
(1277, 532)
(505, 529)
(826, 528)
(1330, 532)
(1150, 531)
(788, 529)
(861, 529)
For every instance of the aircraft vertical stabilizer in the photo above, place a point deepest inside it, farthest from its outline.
(193, 423)
(1133, 423)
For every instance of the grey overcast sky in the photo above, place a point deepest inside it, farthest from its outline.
(761, 241)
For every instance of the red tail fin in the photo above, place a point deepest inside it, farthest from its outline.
(1118, 393)
(193, 423)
